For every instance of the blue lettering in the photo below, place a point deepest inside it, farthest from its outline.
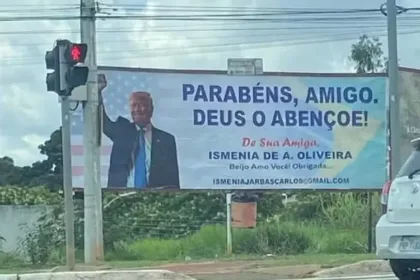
(200, 94)
(287, 94)
(187, 89)
(366, 95)
(350, 95)
(258, 94)
(304, 118)
(212, 117)
(311, 96)
(258, 118)
(330, 123)
(199, 117)
(219, 117)
(230, 95)
(343, 118)
(240, 118)
(291, 118)
(277, 119)
(241, 94)
(215, 93)
(326, 96)
(244, 94)
(272, 93)
(357, 118)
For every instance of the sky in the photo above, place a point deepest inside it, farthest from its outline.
(28, 113)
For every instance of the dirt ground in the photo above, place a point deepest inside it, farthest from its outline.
(244, 270)
(264, 268)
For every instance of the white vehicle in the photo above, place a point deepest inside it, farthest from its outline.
(398, 230)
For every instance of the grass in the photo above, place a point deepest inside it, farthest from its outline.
(325, 260)
(278, 238)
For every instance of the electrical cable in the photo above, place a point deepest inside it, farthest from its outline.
(293, 16)
(264, 37)
(214, 16)
(203, 49)
(205, 38)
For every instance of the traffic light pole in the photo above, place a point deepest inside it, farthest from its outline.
(91, 141)
(67, 183)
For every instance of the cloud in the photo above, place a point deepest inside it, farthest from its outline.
(29, 114)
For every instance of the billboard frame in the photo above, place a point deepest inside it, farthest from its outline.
(224, 73)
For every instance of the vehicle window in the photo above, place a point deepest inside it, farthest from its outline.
(412, 163)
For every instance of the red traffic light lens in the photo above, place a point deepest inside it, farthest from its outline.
(76, 52)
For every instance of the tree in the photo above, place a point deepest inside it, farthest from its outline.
(47, 172)
(368, 55)
(9, 173)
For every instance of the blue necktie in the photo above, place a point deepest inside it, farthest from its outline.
(140, 180)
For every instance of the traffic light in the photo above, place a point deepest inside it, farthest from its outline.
(75, 75)
(52, 61)
(64, 60)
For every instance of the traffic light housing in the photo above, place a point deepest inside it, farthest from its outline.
(52, 61)
(75, 75)
(64, 59)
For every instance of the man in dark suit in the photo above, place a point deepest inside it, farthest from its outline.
(142, 155)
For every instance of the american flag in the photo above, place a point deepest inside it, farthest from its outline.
(120, 84)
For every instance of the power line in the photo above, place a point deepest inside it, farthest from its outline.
(212, 48)
(205, 16)
(204, 38)
(212, 16)
(280, 32)
(220, 18)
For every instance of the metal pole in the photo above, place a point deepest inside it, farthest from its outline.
(370, 222)
(394, 98)
(229, 224)
(92, 191)
(67, 183)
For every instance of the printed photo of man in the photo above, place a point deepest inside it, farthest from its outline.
(142, 155)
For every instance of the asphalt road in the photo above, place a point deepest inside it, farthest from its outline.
(370, 277)
(271, 277)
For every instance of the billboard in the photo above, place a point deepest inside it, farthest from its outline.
(409, 90)
(208, 130)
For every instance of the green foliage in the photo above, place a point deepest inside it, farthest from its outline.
(9, 260)
(136, 217)
(281, 238)
(210, 242)
(11, 195)
(47, 172)
(349, 210)
(368, 55)
(191, 224)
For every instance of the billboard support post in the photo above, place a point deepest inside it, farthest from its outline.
(229, 223)
(394, 98)
(91, 141)
(370, 222)
(239, 67)
(67, 183)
